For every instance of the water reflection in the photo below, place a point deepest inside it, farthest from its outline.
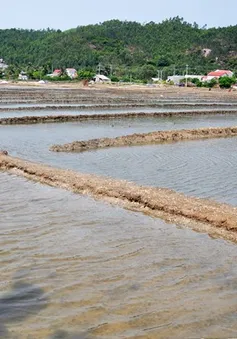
(65, 335)
(26, 300)
(22, 301)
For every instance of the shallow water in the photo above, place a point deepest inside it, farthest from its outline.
(198, 168)
(72, 267)
(13, 114)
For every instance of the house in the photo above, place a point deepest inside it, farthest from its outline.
(3, 65)
(217, 75)
(71, 72)
(101, 78)
(155, 79)
(56, 73)
(23, 76)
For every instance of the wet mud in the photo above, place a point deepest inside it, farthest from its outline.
(92, 106)
(83, 117)
(157, 137)
(200, 214)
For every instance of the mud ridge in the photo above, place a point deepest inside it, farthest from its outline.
(113, 105)
(82, 117)
(200, 214)
(156, 137)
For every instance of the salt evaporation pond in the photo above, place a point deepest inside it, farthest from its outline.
(198, 168)
(72, 267)
(52, 112)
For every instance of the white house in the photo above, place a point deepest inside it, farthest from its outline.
(3, 65)
(71, 72)
(101, 78)
(23, 77)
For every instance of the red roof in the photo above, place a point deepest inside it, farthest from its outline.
(219, 73)
(57, 71)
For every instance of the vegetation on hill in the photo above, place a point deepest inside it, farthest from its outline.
(122, 49)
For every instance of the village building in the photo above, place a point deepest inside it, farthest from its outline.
(101, 78)
(56, 73)
(23, 76)
(71, 72)
(217, 75)
(3, 65)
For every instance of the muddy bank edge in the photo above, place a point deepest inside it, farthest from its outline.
(156, 137)
(200, 214)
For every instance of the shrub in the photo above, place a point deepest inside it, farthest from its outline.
(226, 82)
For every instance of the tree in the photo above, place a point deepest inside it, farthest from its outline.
(210, 84)
(226, 82)
(85, 74)
(122, 44)
(147, 72)
(163, 62)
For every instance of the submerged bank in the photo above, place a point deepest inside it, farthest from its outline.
(200, 214)
(108, 116)
(12, 107)
(147, 138)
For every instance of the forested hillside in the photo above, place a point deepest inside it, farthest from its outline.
(122, 46)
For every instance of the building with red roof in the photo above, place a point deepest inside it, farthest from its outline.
(217, 74)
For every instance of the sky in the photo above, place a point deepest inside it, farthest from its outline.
(58, 14)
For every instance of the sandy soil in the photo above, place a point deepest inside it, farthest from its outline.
(157, 137)
(200, 214)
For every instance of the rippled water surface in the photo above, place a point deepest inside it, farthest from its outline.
(72, 267)
(199, 168)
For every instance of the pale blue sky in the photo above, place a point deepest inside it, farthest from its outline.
(67, 14)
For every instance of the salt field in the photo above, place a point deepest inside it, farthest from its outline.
(75, 267)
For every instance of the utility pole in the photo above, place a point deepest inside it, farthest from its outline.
(161, 75)
(111, 70)
(186, 75)
(174, 71)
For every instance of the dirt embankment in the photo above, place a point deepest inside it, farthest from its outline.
(157, 137)
(83, 117)
(111, 106)
(200, 214)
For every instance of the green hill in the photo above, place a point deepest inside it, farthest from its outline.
(121, 46)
